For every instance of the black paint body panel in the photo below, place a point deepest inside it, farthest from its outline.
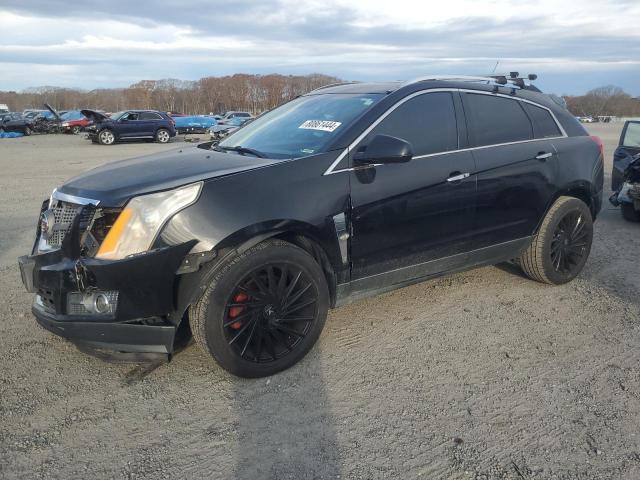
(405, 222)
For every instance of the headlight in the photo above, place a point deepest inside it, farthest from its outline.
(65, 124)
(138, 224)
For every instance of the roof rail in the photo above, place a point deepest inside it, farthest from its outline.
(461, 78)
(513, 80)
(337, 84)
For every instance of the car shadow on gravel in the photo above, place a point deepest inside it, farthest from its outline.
(285, 428)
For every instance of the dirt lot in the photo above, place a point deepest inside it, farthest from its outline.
(483, 374)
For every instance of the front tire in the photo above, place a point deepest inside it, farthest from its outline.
(629, 212)
(27, 131)
(162, 136)
(106, 137)
(76, 129)
(561, 247)
(263, 309)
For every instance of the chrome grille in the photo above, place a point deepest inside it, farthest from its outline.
(64, 214)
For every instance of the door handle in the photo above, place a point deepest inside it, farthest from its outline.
(543, 155)
(456, 177)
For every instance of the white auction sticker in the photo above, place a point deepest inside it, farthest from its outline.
(324, 125)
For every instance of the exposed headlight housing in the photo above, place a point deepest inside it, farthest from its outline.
(137, 226)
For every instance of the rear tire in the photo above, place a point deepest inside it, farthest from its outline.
(560, 249)
(629, 212)
(27, 131)
(163, 136)
(263, 309)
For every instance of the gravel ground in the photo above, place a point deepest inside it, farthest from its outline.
(483, 374)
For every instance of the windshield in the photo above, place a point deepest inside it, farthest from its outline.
(303, 126)
(117, 115)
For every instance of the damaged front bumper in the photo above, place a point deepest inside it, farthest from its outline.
(140, 289)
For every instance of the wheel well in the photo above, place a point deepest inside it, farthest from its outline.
(317, 252)
(580, 193)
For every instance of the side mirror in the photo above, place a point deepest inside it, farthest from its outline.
(385, 149)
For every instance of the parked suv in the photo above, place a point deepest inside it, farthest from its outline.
(129, 125)
(339, 194)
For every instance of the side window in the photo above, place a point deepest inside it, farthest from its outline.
(427, 122)
(632, 135)
(543, 124)
(493, 120)
(150, 116)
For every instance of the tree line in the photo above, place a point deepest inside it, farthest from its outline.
(252, 93)
(604, 101)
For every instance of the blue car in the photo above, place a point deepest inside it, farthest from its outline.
(194, 123)
(129, 125)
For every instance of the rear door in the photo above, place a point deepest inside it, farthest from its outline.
(407, 216)
(149, 123)
(628, 146)
(516, 164)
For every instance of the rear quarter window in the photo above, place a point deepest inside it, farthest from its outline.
(544, 126)
(493, 120)
(150, 116)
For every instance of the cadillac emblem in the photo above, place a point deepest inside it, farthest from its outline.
(47, 221)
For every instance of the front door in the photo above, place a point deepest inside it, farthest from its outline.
(628, 147)
(406, 216)
(128, 125)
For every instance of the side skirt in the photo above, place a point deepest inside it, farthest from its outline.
(385, 282)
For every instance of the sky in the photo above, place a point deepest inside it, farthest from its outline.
(572, 45)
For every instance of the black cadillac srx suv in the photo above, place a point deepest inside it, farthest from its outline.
(348, 191)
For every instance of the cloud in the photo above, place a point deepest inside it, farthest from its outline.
(96, 43)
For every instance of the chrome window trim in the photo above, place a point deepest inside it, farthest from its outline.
(366, 132)
(65, 197)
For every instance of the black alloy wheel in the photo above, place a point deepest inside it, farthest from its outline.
(270, 312)
(570, 242)
(561, 247)
(263, 309)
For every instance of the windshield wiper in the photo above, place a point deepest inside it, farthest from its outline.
(241, 149)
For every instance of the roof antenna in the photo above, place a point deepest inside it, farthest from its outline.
(495, 67)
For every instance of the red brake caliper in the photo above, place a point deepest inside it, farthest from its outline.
(236, 311)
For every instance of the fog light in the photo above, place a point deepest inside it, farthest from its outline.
(102, 303)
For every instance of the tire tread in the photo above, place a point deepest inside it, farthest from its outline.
(531, 260)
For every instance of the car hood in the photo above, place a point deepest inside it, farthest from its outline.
(94, 116)
(52, 110)
(115, 183)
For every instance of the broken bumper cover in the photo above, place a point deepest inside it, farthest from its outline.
(145, 286)
(118, 337)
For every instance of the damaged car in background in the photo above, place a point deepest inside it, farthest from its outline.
(15, 122)
(346, 192)
(625, 177)
(222, 130)
(128, 125)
